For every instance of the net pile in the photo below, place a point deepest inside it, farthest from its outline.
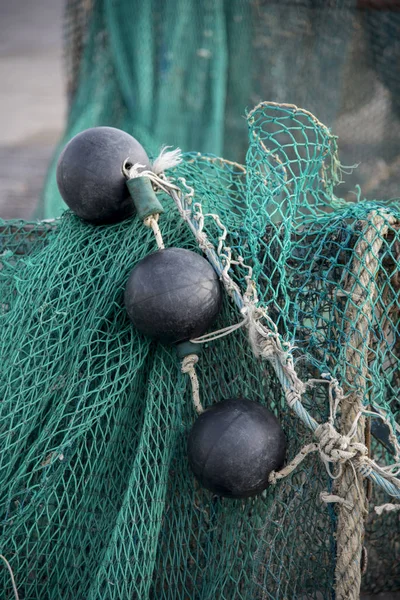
(97, 499)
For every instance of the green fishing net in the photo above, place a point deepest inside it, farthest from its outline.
(97, 498)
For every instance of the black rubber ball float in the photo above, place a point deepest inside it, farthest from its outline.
(234, 446)
(90, 177)
(173, 295)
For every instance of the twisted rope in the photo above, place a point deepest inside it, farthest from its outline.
(152, 222)
(349, 485)
(188, 365)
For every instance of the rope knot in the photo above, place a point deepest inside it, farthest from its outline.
(337, 448)
(203, 241)
(189, 362)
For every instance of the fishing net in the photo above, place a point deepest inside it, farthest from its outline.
(183, 72)
(97, 498)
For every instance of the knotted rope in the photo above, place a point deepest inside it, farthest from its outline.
(188, 365)
(152, 222)
(337, 448)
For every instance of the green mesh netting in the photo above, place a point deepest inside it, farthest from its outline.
(182, 73)
(97, 499)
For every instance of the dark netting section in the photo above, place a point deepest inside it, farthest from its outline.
(97, 498)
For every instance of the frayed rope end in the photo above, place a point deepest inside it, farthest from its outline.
(167, 159)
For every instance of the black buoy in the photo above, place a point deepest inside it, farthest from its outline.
(233, 447)
(173, 295)
(90, 177)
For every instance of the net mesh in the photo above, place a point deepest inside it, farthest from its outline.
(97, 499)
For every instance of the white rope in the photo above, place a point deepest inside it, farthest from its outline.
(335, 447)
(332, 447)
(224, 252)
(159, 181)
(195, 220)
(329, 498)
(215, 335)
(386, 508)
(275, 476)
(165, 160)
(11, 575)
(152, 222)
(188, 365)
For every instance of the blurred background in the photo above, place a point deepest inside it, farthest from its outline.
(183, 72)
(32, 99)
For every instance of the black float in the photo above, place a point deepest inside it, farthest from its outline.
(173, 295)
(90, 177)
(233, 447)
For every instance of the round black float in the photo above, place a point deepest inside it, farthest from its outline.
(234, 446)
(90, 177)
(173, 295)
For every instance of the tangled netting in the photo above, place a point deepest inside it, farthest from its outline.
(97, 500)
